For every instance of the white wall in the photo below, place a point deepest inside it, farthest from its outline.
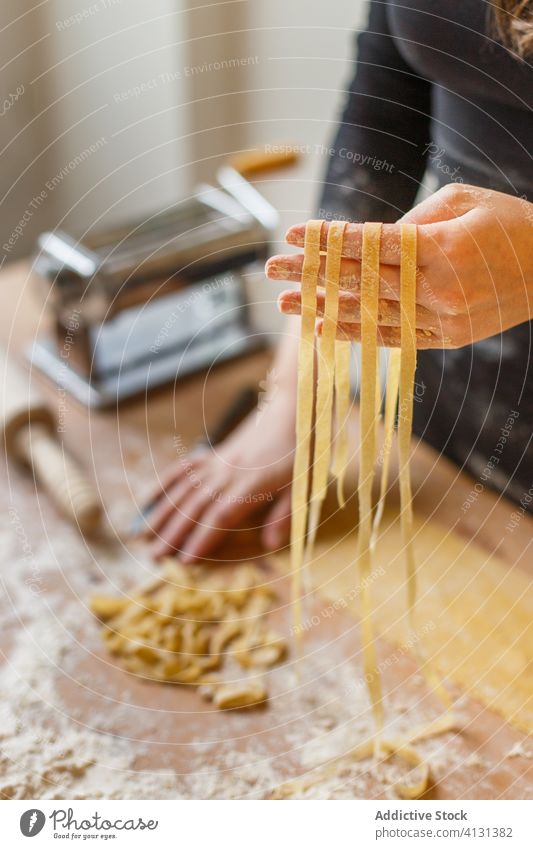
(103, 84)
(78, 60)
(113, 76)
(305, 53)
(19, 137)
(290, 93)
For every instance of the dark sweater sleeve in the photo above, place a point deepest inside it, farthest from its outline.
(378, 155)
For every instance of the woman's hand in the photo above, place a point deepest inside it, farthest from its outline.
(212, 492)
(475, 269)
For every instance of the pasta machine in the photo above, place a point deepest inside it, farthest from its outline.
(156, 299)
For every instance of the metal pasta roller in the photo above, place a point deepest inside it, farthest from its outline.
(154, 300)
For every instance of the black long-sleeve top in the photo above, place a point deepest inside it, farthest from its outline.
(435, 91)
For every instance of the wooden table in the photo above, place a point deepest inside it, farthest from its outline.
(171, 728)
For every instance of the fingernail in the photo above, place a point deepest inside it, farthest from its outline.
(276, 268)
(294, 235)
(268, 266)
(286, 305)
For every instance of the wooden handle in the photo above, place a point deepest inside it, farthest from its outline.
(20, 404)
(255, 161)
(61, 476)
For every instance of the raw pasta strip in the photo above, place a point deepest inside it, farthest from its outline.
(391, 404)
(405, 417)
(304, 414)
(367, 419)
(400, 383)
(377, 418)
(343, 353)
(325, 383)
(405, 426)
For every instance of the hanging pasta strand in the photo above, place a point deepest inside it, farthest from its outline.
(325, 383)
(405, 416)
(333, 376)
(378, 402)
(367, 419)
(391, 405)
(400, 386)
(343, 355)
(405, 426)
(304, 417)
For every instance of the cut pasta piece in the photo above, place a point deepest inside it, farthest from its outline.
(248, 693)
(185, 624)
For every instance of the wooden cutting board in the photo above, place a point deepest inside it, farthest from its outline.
(173, 737)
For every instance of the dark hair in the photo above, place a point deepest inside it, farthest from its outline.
(514, 24)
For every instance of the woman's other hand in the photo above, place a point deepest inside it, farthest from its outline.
(209, 493)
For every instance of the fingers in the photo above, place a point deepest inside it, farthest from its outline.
(289, 267)
(226, 515)
(207, 535)
(222, 516)
(389, 337)
(389, 312)
(180, 523)
(185, 488)
(176, 473)
(165, 507)
(451, 201)
(277, 524)
(390, 241)
(436, 217)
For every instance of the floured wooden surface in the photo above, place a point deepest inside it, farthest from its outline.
(74, 724)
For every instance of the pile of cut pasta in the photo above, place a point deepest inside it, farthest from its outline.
(188, 624)
(326, 397)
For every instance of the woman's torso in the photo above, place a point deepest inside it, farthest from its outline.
(476, 403)
(482, 96)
